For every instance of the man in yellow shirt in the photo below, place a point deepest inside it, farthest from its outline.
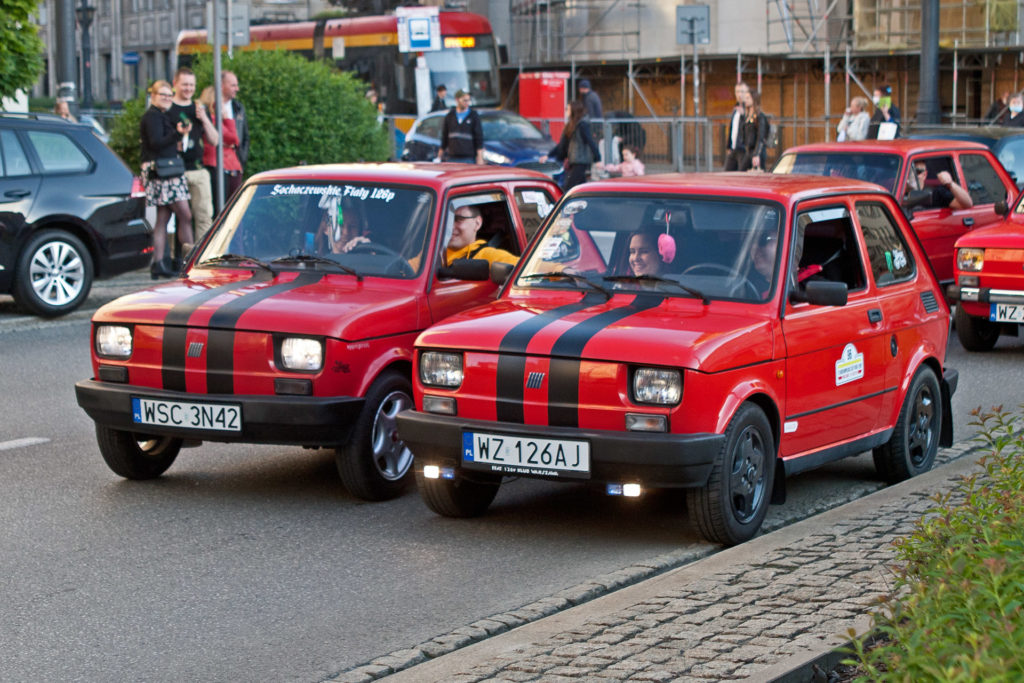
(464, 244)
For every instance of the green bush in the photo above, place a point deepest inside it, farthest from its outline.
(955, 613)
(300, 112)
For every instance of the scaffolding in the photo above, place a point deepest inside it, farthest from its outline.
(561, 30)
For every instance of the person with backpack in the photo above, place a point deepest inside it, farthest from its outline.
(576, 146)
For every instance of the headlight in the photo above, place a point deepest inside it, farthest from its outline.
(441, 369)
(302, 353)
(495, 158)
(970, 259)
(653, 385)
(114, 341)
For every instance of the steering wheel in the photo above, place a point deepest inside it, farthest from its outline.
(398, 265)
(742, 283)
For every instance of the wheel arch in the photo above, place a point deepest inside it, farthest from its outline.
(72, 226)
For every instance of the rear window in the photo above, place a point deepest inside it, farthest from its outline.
(882, 169)
(13, 161)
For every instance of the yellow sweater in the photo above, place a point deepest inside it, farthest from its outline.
(490, 254)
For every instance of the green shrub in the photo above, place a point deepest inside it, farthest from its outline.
(299, 112)
(955, 613)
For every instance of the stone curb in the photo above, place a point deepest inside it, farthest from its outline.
(604, 594)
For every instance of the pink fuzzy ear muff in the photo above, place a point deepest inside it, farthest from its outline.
(667, 243)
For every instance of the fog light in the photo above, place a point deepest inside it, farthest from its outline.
(443, 405)
(627, 490)
(431, 472)
(639, 422)
(968, 280)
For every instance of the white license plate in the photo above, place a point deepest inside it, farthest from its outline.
(1006, 313)
(512, 455)
(211, 416)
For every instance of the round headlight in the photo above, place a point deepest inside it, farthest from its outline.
(114, 341)
(970, 259)
(302, 353)
(656, 385)
(441, 369)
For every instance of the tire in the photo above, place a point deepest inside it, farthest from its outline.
(375, 463)
(915, 441)
(136, 456)
(733, 504)
(54, 274)
(976, 334)
(459, 497)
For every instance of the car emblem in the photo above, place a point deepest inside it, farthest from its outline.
(535, 380)
(195, 349)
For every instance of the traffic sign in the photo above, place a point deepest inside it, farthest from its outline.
(130, 57)
(693, 24)
(419, 29)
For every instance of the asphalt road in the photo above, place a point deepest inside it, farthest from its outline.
(253, 563)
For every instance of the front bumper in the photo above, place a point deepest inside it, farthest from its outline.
(654, 460)
(292, 420)
(985, 295)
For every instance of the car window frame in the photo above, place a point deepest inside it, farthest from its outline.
(862, 201)
(37, 160)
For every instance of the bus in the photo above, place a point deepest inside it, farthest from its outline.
(368, 47)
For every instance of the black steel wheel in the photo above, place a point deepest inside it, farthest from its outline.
(915, 441)
(976, 334)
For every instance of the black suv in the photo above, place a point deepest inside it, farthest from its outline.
(70, 210)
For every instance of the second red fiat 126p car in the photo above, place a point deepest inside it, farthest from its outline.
(294, 320)
(989, 288)
(708, 332)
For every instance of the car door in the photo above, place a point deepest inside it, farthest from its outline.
(448, 295)
(19, 187)
(938, 228)
(836, 356)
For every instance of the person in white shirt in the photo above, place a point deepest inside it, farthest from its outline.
(855, 122)
(735, 152)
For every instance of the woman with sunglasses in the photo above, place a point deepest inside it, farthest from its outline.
(161, 139)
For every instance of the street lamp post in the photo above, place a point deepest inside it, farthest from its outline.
(85, 13)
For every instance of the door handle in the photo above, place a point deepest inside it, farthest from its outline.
(17, 194)
(874, 315)
(968, 221)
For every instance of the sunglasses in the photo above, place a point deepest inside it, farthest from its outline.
(920, 169)
(459, 218)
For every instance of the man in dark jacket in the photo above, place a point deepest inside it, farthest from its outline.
(591, 101)
(462, 135)
(439, 99)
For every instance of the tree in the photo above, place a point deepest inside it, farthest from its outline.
(21, 50)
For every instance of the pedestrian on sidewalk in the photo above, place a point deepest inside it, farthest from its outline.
(855, 122)
(734, 152)
(591, 101)
(203, 130)
(885, 122)
(462, 133)
(576, 147)
(232, 164)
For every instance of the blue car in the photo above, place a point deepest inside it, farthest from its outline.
(509, 140)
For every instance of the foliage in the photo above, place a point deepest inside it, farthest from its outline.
(956, 610)
(299, 112)
(21, 50)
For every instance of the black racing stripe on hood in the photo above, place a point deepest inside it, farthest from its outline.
(220, 355)
(564, 379)
(512, 356)
(176, 329)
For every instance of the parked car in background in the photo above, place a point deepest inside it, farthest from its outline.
(709, 332)
(989, 287)
(294, 320)
(509, 140)
(70, 211)
(891, 163)
(1006, 143)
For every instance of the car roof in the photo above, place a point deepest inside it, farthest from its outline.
(41, 119)
(901, 146)
(411, 173)
(780, 187)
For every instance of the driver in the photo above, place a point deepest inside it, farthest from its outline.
(339, 232)
(763, 259)
(644, 258)
(947, 193)
(464, 244)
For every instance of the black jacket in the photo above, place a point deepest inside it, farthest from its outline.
(242, 126)
(583, 136)
(461, 139)
(159, 135)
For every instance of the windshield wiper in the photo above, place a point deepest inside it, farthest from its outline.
(301, 257)
(561, 274)
(236, 258)
(657, 279)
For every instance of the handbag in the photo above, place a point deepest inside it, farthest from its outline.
(171, 167)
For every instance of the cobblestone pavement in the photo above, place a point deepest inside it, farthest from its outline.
(766, 610)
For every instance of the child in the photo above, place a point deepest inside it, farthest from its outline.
(630, 166)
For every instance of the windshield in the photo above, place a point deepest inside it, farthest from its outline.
(882, 169)
(679, 246)
(471, 68)
(508, 126)
(362, 229)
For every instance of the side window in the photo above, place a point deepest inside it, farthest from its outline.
(13, 161)
(57, 153)
(934, 166)
(889, 257)
(534, 206)
(496, 227)
(983, 182)
(431, 127)
(827, 249)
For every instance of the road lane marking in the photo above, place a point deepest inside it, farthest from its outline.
(20, 443)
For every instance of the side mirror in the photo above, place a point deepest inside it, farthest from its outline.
(1002, 209)
(825, 293)
(500, 272)
(466, 269)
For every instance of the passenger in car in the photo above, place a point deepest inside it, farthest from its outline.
(339, 232)
(644, 258)
(763, 262)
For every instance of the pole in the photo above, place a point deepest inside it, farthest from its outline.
(956, 46)
(85, 15)
(828, 93)
(928, 109)
(66, 51)
(696, 68)
(219, 104)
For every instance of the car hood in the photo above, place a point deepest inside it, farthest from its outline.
(646, 329)
(1008, 234)
(302, 303)
(520, 150)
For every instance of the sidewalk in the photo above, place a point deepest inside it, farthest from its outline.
(772, 609)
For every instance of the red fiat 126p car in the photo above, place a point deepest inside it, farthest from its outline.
(709, 332)
(294, 320)
(989, 288)
(914, 171)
